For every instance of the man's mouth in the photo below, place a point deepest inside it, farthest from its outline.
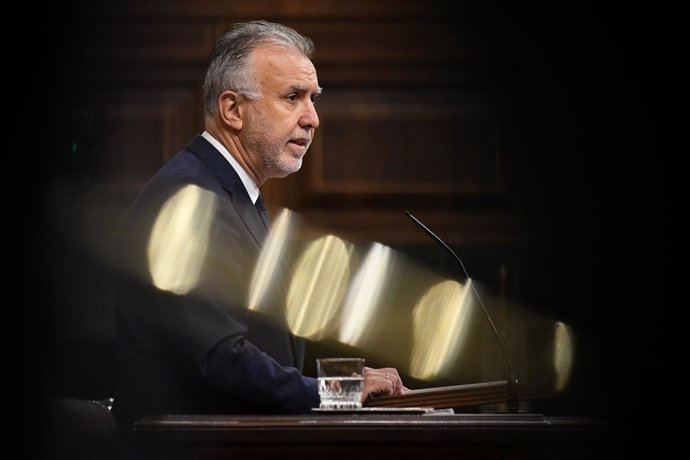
(301, 141)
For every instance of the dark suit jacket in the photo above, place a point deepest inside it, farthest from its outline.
(202, 351)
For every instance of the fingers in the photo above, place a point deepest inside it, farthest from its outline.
(391, 374)
(383, 381)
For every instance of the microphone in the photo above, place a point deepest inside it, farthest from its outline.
(511, 380)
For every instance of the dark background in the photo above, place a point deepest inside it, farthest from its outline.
(580, 89)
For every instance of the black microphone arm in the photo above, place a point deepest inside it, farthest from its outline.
(512, 382)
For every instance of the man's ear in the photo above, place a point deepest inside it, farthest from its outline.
(229, 109)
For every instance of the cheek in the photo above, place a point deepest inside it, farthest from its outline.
(282, 119)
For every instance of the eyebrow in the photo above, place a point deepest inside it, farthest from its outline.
(304, 89)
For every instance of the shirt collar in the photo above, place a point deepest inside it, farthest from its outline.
(247, 181)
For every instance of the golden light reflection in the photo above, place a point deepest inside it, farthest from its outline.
(318, 286)
(439, 322)
(179, 239)
(377, 308)
(269, 259)
(563, 355)
(365, 294)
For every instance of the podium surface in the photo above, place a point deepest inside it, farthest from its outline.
(369, 436)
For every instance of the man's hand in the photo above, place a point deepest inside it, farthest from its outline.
(384, 381)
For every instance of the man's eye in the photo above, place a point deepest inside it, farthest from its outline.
(292, 97)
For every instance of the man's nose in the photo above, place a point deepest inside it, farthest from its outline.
(309, 119)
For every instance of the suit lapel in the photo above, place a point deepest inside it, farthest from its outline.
(231, 182)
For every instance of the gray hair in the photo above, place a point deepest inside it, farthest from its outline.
(229, 67)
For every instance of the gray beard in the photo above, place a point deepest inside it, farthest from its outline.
(270, 153)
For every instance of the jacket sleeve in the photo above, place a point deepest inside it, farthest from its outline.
(238, 367)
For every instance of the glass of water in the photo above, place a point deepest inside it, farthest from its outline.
(340, 382)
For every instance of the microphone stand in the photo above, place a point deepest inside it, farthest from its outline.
(511, 381)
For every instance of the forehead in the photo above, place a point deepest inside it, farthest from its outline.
(277, 66)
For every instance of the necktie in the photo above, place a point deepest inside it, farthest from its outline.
(263, 211)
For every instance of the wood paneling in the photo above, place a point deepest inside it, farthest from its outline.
(406, 118)
(148, 42)
(269, 9)
(422, 142)
(133, 132)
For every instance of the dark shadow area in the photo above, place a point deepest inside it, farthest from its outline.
(578, 85)
(55, 368)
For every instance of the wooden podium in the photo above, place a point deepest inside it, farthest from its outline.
(369, 436)
(409, 426)
(456, 396)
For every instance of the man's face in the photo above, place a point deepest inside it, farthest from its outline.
(279, 127)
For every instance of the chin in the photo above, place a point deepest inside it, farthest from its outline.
(286, 170)
(294, 166)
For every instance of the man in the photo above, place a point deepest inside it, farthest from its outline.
(186, 341)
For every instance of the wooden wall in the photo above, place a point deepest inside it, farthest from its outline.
(407, 120)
